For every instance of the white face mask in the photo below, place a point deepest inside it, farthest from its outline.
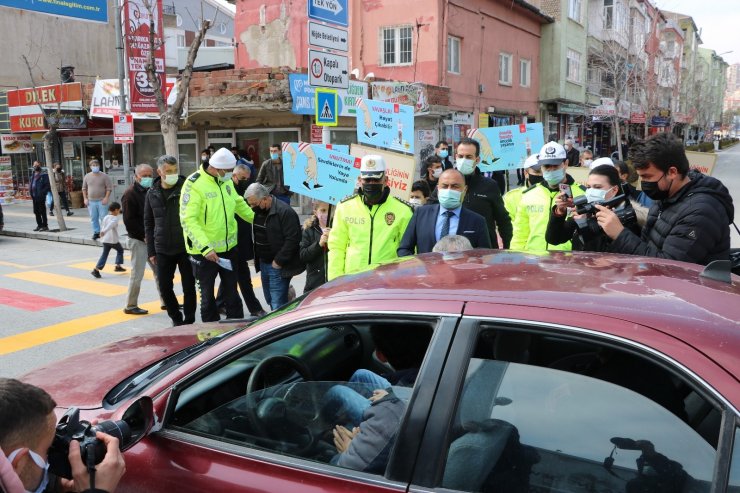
(416, 202)
(596, 195)
(39, 461)
(587, 162)
(437, 173)
(171, 179)
(227, 177)
(465, 166)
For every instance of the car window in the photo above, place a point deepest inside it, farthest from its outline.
(735, 464)
(541, 414)
(327, 394)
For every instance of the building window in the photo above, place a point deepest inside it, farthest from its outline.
(396, 45)
(525, 74)
(504, 68)
(608, 14)
(574, 10)
(180, 40)
(573, 66)
(453, 54)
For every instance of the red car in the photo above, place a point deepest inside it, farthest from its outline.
(540, 373)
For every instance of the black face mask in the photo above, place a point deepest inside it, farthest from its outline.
(372, 191)
(652, 190)
(37, 168)
(241, 187)
(535, 179)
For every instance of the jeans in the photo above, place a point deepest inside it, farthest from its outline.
(166, 265)
(107, 247)
(274, 285)
(97, 213)
(205, 273)
(39, 210)
(139, 260)
(244, 281)
(346, 404)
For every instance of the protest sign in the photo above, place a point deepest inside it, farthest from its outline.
(386, 125)
(400, 168)
(323, 174)
(507, 147)
(702, 161)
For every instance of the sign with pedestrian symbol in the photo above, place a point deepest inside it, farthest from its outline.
(327, 111)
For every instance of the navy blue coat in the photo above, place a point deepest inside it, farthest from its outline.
(42, 187)
(420, 233)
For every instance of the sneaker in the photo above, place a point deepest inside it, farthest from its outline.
(51, 213)
(96, 236)
(43, 228)
(70, 213)
(95, 273)
(37, 228)
(135, 311)
(119, 269)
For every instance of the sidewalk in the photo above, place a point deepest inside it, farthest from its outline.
(21, 221)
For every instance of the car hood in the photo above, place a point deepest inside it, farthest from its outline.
(84, 379)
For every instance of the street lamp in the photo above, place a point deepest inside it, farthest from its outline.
(726, 52)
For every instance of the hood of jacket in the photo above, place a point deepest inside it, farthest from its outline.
(700, 183)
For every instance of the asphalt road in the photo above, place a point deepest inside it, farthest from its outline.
(52, 308)
(727, 170)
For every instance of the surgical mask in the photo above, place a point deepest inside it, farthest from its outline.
(415, 201)
(449, 198)
(171, 179)
(465, 166)
(437, 173)
(554, 177)
(227, 176)
(39, 461)
(443, 153)
(372, 191)
(95, 169)
(595, 194)
(652, 190)
(146, 181)
(587, 162)
(203, 158)
(274, 156)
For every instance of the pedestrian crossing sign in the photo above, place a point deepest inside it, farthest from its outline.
(327, 107)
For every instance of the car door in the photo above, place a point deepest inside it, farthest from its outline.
(217, 436)
(545, 407)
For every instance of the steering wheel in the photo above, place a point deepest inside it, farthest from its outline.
(255, 379)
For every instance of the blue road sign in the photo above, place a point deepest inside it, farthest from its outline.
(327, 107)
(334, 11)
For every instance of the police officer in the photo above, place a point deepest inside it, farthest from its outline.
(533, 212)
(369, 225)
(207, 207)
(532, 174)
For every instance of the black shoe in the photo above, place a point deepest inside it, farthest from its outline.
(188, 321)
(162, 307)
(37, 228)
(51, 213)
(305, 184)
(317, 186)
(96, 236)
(260, 313)
(119, 269)
(95, 273)
(70, 213)
(43, 228)
(135, 311)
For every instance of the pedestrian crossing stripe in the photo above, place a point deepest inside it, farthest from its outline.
(89, 286)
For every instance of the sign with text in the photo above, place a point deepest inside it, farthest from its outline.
(334, 11)
(123, 129)
(328, 70)
(702, 161)
(327, 111)
(409, 93)
(399, 168)
(304, 95)
(329, 37)
(387, 125)
(23, 104)
(136, 31)
(318, 172)
(67, 119)
(106, 100)
(507, 147)
(84, 10)
(7, 192)
(16, 144)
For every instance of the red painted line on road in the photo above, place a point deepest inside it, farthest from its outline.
(28, 302)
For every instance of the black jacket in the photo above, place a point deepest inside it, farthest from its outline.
(132, 204)
(41, 188)
(314, 256)
(162, 220)
(561, 230)
(420, 235)
(692, 226)
(284, 235)
(574, 157)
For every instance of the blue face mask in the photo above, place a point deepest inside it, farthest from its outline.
(39, 461)
(95, 169)
(274, 156)
(146, 181)
(443, 153)
(449, 199)
(227, 177)
(554, 177)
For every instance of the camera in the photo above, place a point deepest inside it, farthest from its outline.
(589, 225)
(92, 450)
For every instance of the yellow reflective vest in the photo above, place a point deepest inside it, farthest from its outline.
(511, 201)
(532, 216)
(207, 208)
(363, 236)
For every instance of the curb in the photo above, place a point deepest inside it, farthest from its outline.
(53, 235)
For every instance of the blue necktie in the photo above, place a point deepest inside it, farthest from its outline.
(446, 224)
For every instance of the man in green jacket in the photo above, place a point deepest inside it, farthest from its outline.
(533, 211)
(207, 207)
(368, 226)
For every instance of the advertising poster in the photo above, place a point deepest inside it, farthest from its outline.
(386, 125)
(136, 30)
(84, 10)
(702, 161)
(323, 174)
(409, 93)
(16, 144)
(507, 147)
(400, 168)
(7, 192)
(304, 95)
(106, 100)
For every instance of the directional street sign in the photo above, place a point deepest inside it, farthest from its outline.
(334, 11)
(327, 107)
(328, 69)
(329, 37)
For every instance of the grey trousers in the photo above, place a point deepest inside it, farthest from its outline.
(139, 260)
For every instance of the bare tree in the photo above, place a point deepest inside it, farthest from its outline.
(169, 116)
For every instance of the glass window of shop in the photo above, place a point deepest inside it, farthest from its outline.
(343, 136)
(256, 143)
(149, 146)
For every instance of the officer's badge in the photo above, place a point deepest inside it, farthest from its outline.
(228, 189)
(389, 218)
(185, 198)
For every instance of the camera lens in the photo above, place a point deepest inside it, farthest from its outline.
(119, 429)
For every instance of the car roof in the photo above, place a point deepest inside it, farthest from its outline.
(667, 295)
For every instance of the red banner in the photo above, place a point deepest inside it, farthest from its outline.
(137, 22)
(23, 104)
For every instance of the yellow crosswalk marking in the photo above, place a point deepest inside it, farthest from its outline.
(62, 330)
(148, 274)
(100, 288)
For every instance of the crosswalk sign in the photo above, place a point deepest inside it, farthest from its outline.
(327, 107)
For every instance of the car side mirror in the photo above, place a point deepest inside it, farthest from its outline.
(140, 418)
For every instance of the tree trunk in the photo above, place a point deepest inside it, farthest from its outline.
(48, 139)
(618, 130)
(169, 126)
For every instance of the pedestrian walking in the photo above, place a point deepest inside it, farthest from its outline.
(110, 239)
(60, 182)
(39, 187)
(96, 190)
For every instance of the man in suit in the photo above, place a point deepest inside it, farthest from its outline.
(430, 223)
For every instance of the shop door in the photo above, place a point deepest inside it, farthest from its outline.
(93, 150)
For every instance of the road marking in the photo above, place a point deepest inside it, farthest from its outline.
(51, 333)
(40, 266)
(68, 282)
(28, 302)
(148, 274)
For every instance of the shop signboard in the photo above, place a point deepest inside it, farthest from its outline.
(106, 100)
(26, 106)
(84, 10)
(319, 172)
(386, 125)
(136, 29)
(571, 109)
(67, 119)
(16, 143)
(507, 147)
(408, 93)
(304, 95)
(400, 169)
(607, 107)
(7, 192)
(638, 118)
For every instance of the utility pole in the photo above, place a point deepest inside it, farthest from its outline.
(121, 82)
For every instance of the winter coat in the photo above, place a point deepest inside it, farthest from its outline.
(162, 220)
(692, 226)
(314, 256)
(561, 230)
(109, 229)
(132, 203)
(41, 186)
(284, 235)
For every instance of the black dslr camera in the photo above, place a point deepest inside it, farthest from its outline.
(591, 226)
(92, 450)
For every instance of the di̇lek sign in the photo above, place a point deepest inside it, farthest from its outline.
(23, 105)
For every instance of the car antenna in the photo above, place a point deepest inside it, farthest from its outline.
(719, 270)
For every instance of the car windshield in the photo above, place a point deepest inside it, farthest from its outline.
(137, 382)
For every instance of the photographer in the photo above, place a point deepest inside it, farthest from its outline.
(27, 430)
(604, 184)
